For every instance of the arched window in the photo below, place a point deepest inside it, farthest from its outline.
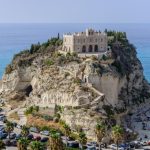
(96, 48)
(84, 49)
(90, 48)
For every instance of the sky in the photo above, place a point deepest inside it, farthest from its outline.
(74, 11)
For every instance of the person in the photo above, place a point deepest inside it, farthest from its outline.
(146, 136)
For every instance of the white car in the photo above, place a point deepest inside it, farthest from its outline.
(114, 147)
(45, 132)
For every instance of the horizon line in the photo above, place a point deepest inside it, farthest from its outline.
(74, 23)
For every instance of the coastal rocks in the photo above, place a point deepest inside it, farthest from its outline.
(93, 88)
(17, 80)
(82, 119)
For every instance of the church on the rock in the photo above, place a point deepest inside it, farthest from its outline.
(89, 41)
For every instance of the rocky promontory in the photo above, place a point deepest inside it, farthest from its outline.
(88, 88)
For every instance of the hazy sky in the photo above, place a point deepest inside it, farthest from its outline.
(79, 11)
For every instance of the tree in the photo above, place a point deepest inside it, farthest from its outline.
(117, 134)
(25, 131)
(22, 144)
(36, 145)
(55, 142)
(2, 145)
(100, 133)
(82, 139)
(58, 36)
(67, 131)
(36, 108)
(9, 128)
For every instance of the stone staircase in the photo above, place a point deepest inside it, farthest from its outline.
(98, 99)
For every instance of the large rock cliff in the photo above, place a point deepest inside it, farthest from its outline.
(43, 76)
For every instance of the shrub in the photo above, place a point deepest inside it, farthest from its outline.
(118, 66)
(77, 81)
(31, 110)
(108, 110)
(49, 62)
(8, 69)
(47, 118)
(104, 57)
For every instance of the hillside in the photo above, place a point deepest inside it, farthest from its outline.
(89, 88)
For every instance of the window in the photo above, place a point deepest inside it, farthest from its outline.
(90, 48)
(84, 49)
(96, 48)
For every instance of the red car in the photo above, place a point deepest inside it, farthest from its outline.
(37, 138)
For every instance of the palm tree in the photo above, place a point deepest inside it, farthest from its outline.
(36, 145)
(117, 134)
(2, 145)
(82, 139)
(9, 128)
(25, 131)
(22, 144)
(67, 131)
(100, 133)
(55, 142)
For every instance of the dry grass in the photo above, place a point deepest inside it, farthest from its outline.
(15, 103)
(40, 122)
(14, 116)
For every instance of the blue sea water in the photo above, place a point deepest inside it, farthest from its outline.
(16, 37)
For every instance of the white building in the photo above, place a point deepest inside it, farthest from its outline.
(89, 41)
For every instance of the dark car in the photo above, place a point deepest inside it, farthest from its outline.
(12, 135)
(18, 136)
(15, 124)
(7, 142)
(73, 144)
(44, 139)
(5, 135)
(37, 138)
(13, 142)
(30, 137)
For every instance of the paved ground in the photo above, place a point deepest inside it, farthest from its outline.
(11, 148)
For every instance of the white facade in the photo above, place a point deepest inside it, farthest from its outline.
(89, 41)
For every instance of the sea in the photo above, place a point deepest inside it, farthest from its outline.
(17, 37)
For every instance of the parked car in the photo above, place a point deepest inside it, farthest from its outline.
(15, 124)
(44, 139)
(73, 144)
(30, 137)
(37, 138)
(18, 126)
(2, 128)
(45, 132)
(3, 135)
(144, 143)
(34, 129)
(12, 135)
(2, 117)
(18, 136)
(13, 142)
(1, 109)
(90, 147)
(7, 142)
(114, 147)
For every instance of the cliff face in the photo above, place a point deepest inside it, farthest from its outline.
(43, 76)
(68, 80)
